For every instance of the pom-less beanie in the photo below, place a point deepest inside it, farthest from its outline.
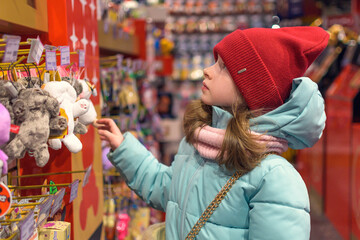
(263, 61)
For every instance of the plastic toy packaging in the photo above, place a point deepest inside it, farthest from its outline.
(189, 6)
(122, 225)
(254, 6)
(227, 6)
(256, 21)
(178, 6)
(213, 7)
(199, 7)
(228, 24)
(191, 24)
(242, 21)
(269, 6)
(241, 6)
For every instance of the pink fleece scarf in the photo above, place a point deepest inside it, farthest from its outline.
(209, 141)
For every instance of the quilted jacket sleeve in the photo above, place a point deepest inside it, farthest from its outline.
(279, 208)
(143, 173)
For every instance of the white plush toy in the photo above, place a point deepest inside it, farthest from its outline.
(66, 96)
(87, 90)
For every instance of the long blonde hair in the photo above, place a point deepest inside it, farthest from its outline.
(239, 150)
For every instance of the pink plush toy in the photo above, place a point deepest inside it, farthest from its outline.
(4, 137)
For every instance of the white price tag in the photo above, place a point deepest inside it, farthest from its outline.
(11, 48)
(44, 207)
(50, 60)
(119, 61)
(81, 58)
(86, 176)
(65, 55)
(36, 51)
(46, 77)
(74, 190)
(27, 226)
(58, 198)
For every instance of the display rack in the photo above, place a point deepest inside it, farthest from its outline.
(73, 24)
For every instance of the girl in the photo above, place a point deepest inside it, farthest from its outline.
(254, 104)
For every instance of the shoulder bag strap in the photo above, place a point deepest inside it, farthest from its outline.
(212, 206)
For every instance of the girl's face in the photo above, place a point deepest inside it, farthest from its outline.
(218, 87)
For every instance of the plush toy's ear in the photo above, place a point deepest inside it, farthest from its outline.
(52, 105)
(20, 111)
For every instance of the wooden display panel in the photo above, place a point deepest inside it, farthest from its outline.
(23, 16)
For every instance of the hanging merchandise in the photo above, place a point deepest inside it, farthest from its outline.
(66, 95)
(5, 128)
(43, 106)
(34, 111)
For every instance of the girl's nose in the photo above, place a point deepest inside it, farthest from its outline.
(206, 73)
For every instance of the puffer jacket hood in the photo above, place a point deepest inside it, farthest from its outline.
(300, 120)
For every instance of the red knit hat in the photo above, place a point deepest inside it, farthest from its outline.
(264, 61)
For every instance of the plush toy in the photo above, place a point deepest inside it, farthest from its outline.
(87, 90)
(79, 128)
(8, 92)
(4, 136)
(65, 94)
(33, 111)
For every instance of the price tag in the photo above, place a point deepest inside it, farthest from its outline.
(50, 60)
(59, 196)
(86, 176)
(46, 77)
(119, 61)
(44, 207)
(65, 55)
(74, 190)
(27, 226)
(11, 48)
(36, 51)
(81, 58)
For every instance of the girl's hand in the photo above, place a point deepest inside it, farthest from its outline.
(109, 132)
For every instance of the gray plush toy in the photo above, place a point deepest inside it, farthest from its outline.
(6, 96)
(36, 113)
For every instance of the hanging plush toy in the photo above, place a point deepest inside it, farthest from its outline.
(4, 136)
(79, 128)
(65, 94)
(88, 90)
(7, 93)
(34, 110)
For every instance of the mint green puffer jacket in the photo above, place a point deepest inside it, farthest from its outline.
(270, 202)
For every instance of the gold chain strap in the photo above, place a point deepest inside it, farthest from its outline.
(212, 206)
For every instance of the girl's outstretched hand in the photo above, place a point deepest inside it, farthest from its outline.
(109, 132)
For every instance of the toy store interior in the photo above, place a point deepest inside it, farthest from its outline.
(140, 63)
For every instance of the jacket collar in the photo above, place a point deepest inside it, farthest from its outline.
(220, 118)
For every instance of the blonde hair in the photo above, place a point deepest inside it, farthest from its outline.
(239, 150)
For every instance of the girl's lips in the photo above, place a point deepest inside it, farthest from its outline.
(204, 85)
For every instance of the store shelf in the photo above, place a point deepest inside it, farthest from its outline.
(107, 41)
(23, 16)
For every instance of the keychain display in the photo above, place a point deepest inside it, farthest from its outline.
(44, 108)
